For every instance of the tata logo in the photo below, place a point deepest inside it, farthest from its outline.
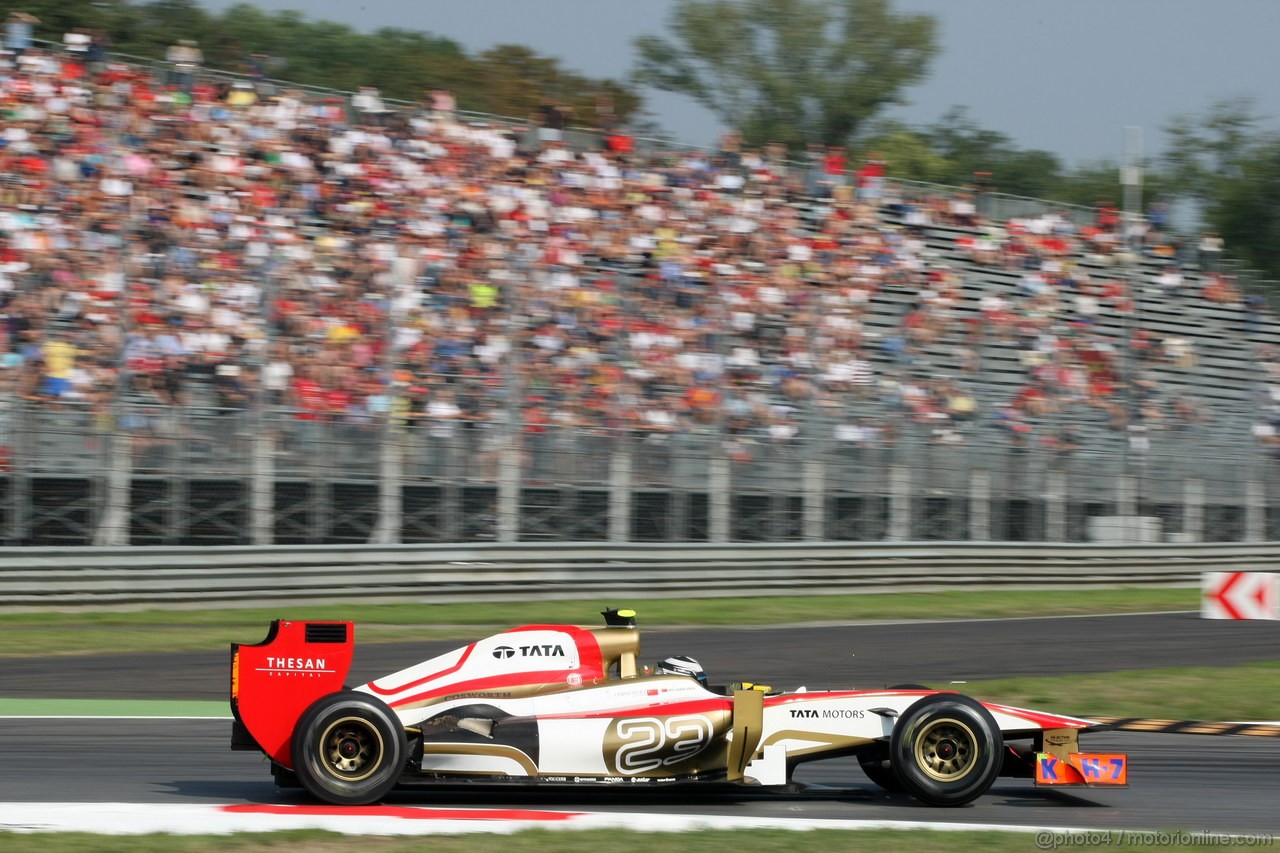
(543, 651)
(804, 712)
(547, 651)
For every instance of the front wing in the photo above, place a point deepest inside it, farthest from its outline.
(1082, 768)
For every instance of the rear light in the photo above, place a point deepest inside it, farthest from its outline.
(326, 632)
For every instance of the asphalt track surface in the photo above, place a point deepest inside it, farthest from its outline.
(827, 656)
(1186, 782)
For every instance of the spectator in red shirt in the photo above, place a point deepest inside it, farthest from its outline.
(871, 180)
(834, 165)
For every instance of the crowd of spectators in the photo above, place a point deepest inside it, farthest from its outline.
(181, 240)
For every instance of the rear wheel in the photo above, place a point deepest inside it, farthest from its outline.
(946, 750)
(285, 778)
(349, 749)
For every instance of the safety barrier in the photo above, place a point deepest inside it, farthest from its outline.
(33, 578)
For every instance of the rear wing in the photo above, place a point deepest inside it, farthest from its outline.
(273, 682)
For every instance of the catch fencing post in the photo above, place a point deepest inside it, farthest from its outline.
(814, 500)
(1255, 512)
(899, 503)
(1193, 509)
(620, 489)
(1055, 500)
(719, 496)
(262, 484)
(390, 488)
(113, 527)
(980, 505)
(509, 493)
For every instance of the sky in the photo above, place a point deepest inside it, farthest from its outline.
(1064, 76)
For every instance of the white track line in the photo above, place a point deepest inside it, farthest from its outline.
(137, 819)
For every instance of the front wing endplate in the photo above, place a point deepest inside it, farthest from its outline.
(1083, 768)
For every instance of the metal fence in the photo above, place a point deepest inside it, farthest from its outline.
(206, 476)
(195, 577)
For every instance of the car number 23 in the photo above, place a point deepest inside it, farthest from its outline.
(645, 744)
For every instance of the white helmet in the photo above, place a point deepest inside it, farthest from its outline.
(683, 665)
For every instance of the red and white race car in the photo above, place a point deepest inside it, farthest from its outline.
(567, 705)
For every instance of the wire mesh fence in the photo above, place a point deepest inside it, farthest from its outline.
(227, 476)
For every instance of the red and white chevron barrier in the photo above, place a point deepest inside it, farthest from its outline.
(1240, 595)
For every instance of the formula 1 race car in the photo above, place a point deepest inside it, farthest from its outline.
(566, 705)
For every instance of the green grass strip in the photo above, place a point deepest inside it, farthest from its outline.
(113, 708)
(1244, 692)
(27, 633)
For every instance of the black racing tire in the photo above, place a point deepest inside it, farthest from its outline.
(878, 767)
(285, 778)
(349, 749)
(946, 750)
(880, 772)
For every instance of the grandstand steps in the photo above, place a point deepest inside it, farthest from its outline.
(1224, 377)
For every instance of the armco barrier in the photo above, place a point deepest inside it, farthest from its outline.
(33, 578)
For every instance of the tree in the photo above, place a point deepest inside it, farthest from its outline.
(972, 149)
(512, 80)
(1090, 184)
(1223, 161)
(508, 79)
(61, 16)
(1246, 208)
(1207, 149)
(791, 71)
(906, 153)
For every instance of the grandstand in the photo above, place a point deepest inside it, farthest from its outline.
(653, 405)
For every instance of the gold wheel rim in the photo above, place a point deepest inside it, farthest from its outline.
(946, 749)
(351, 748)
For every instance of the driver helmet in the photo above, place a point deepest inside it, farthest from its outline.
(683, 665)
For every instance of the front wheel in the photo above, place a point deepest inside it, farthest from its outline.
(349, 749)
(877, 766)
(946, 750)
(880, 772)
